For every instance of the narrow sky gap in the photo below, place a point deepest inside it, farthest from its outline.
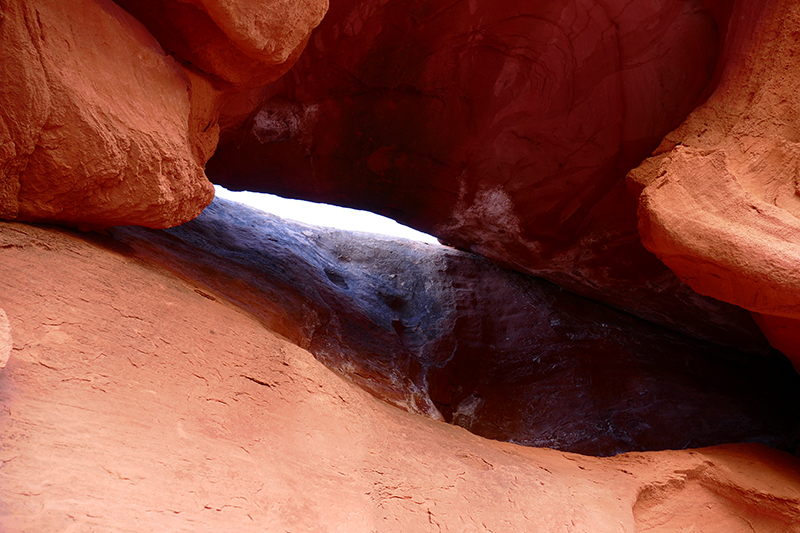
(331, 216)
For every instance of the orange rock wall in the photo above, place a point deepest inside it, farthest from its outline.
(720, 200)
(133, 398)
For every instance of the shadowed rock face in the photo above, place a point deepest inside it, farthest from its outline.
(502, 128)
(449, 335)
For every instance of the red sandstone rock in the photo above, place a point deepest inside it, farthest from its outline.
(152, 405)
(721, 198)
(241, 45)
(6, 343)
(503, 128)
(783, 333)
(247, 43)
(95, 125)
(447, 334)
(94, 120)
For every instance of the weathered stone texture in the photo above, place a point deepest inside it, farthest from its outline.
(94, 120)
(503, 128)
(720, 201)
(155, 406)
(447, 334)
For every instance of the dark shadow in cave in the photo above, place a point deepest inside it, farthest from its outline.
(508, 356)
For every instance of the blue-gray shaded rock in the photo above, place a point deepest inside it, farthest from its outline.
(447, 334)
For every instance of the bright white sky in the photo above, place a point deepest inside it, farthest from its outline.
(324, 215)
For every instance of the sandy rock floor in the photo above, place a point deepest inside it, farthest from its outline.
(136, 401)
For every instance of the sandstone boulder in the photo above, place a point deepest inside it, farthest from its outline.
(247, 43)
(239, 45)
(94, 120)
(720, 200)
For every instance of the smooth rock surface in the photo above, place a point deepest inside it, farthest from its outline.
(6, 342)
(447, 334)
(720, 201)
(503, 128)
(152, 405)
(94, 120)
(238, 45)
(783, 333)
(247, 43)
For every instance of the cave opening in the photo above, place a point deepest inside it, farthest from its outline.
(325, 215)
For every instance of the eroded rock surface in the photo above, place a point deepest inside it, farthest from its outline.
(141, 390)
(503, 128)
(447, 334)
(152, 405)
(239, 45)
(246, 43)
(94, 120)
(721, 197)
(99, 126)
